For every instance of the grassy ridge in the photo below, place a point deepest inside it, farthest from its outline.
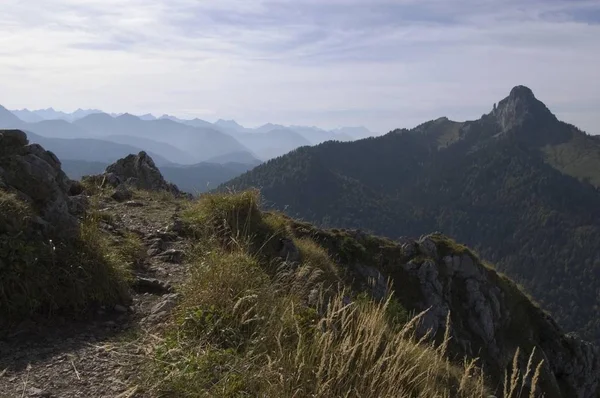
(252, 324)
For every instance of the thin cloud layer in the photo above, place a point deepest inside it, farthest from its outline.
(379, 63)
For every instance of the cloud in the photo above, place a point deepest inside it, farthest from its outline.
(381, 63)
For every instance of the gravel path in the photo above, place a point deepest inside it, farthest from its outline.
(103, 357)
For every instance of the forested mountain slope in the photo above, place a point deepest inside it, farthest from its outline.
(518, 185)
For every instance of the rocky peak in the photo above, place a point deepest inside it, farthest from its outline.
(522, 92)
(138, 171)
(521, 109)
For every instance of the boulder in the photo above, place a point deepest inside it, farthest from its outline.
(35, 176)
(122, 193)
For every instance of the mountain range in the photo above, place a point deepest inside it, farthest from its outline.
(517, 184)
(295, 134)
(196, 154)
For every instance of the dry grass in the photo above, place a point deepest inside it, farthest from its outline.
(244, 330)
(241, 333)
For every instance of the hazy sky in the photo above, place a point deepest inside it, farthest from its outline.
(379, 63)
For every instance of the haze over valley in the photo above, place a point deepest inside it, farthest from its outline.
(196, 154)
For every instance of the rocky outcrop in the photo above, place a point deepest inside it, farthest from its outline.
(490, 317)
(136, 171)
(34, 175)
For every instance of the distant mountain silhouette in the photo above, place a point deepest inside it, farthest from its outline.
(58, 129)
(179, 140)
(168, 151)
(317, 136)
(89, 149)
(32, 116)
(235, 157)
(230, 125)
(194, 122)
(517, 184)
(272, 143)
(199, 143)
(27, 116)
(8, 119)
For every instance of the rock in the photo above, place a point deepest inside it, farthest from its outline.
(168, 302)
(165, 236)
(177, 227)
(151, 285)
(111, 179)
(409, 249)
(139, 171)
(11, 139)
(157, 246)
(162, 310)
(427, 247)
(173, 256)
(122, 193)
(376, 282)
(76, 188)
(36, 177)
(485, 320)
(78, 205)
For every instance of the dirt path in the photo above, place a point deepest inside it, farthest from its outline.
(102, 357)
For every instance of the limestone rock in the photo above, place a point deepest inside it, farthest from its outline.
(428, 247)
(376, 282)
(490, 318)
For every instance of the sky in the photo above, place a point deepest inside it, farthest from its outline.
(383, 64)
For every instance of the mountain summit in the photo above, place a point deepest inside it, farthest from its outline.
(520, 108)
(518, 185)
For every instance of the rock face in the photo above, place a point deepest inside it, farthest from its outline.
(490, 316)
(138, 171)
(35, 176)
